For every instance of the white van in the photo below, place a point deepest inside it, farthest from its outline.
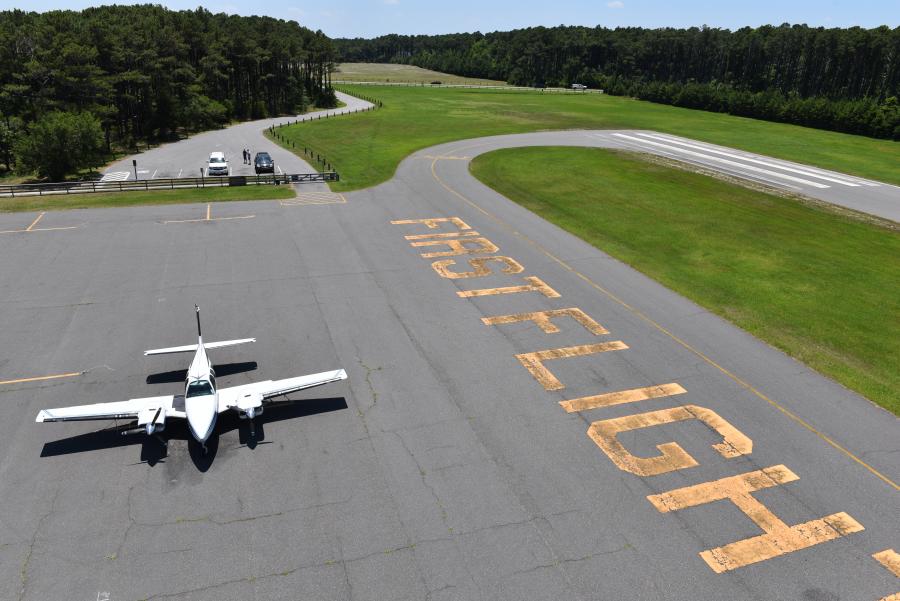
(217, 164)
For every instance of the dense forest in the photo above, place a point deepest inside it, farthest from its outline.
(840, 79)
(111, 76)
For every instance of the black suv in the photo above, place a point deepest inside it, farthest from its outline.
(264, 163)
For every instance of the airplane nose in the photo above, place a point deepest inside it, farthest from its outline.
(201, 425)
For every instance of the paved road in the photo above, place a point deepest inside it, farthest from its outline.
(185, 157)
(445, 468)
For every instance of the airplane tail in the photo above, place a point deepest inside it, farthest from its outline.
(192, 348)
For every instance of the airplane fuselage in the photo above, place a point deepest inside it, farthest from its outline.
(201, 400)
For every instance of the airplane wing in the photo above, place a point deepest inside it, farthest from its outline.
(191, 348)
(129, 409)
(229, 397)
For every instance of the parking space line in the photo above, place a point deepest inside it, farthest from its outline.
(208, 217)
(35, 222)
(42, 378)
(637, 312)
(31, 229)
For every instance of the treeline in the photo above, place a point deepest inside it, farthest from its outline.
(111, 76)
(840, 79)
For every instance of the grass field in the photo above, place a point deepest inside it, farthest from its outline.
(823, 287)
(366, 148)
(153, 197)
(388, 72)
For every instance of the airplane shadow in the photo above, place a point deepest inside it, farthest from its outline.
(180, 375)
(154, 448)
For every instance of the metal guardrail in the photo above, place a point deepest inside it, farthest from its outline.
(16, 190)
(422, 84)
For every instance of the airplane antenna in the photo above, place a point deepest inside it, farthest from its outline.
(198, 320)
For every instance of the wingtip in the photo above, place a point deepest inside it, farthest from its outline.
(42, 414)
(341, 374)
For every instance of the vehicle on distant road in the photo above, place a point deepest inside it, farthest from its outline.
(218, 165)
(579, 86)
(264, 163)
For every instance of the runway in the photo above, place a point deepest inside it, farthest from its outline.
(498, 437)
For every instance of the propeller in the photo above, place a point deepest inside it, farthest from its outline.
(153, 421)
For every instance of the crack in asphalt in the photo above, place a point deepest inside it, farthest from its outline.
(23, 571)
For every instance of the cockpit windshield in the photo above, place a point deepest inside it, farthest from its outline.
(199, 388)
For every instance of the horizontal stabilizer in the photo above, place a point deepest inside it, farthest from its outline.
(192, 348)
(210, 345)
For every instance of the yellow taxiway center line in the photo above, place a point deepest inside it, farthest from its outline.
(208, 210)
(34, 223)
(40, 378)
(743, 383)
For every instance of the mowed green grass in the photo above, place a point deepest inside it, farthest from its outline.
(366, 148)
(58, 202)
(395, 73)
(821, 286)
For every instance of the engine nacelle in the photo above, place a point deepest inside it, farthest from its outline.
(250, 405)
(152, 419)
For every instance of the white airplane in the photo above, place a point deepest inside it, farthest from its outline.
(202, 401)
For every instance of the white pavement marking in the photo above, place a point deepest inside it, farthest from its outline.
(827, 178)
(154, 174)
(725, 161)
(315, 198)
(722, 169)
(115, 176)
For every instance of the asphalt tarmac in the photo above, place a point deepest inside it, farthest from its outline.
(446, 466)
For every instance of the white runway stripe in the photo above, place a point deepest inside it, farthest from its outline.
(828, 178)
(722, 169)
(813, 170)
(724, 161)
